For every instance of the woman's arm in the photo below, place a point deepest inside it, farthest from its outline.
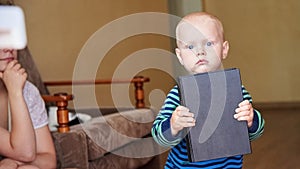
(45, 158)
(19, 144)
(8, 164)
(45, 152)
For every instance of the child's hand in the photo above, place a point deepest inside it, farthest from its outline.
(14, 76)
(181, 118)
(245, 112)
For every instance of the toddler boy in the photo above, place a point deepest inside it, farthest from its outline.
(201, 47)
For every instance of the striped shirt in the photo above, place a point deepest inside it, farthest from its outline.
(178, 157)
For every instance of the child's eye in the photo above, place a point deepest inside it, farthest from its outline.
(190, 46)
(209, 43)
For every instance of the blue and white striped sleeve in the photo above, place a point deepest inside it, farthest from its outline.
(161, 131)
(257, 128)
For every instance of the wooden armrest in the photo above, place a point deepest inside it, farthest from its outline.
(138, 82)
(61, 100)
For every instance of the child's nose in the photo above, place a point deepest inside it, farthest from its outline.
(200, 52)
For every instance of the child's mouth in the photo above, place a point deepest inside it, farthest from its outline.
(201, 62)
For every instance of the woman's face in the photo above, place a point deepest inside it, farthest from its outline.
(6, 55)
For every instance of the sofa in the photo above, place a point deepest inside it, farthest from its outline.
(119, 140)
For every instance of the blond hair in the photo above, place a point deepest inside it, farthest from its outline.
(202, 17)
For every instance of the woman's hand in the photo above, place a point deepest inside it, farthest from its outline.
(14, 77)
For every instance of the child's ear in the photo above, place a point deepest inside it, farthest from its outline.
(177, 51)
(225, 49)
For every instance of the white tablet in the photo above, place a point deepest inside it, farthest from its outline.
(12, 28)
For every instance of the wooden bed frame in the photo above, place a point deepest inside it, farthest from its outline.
(61, 99)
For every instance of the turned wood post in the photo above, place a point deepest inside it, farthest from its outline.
(139, 91)
(63, 112)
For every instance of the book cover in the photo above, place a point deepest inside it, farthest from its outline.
(213, 97)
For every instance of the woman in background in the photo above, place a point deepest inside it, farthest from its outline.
(25, 141)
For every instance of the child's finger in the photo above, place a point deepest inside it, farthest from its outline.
(183, 111)
(245, 102)
(186, 121)
(185, 114)
(191, 124)
(243, 118)
(182, 108)
(243, 108)
(189, 119)
(241, 114)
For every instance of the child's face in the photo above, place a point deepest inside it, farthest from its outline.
(200, 46)
(6, 55)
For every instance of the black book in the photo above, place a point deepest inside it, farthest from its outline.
(213, 97)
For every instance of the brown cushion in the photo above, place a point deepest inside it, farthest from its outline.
(112, 161)
(92, 140)
(131, 156)
(110, 132)
(71, 149)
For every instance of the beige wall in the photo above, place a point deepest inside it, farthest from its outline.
(264, 43)
(181, 8)
(263, 35)
(58, 30)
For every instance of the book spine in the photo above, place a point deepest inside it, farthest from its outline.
(186, 132)
(189, 147)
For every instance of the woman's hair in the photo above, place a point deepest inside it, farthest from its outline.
(6, 2)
